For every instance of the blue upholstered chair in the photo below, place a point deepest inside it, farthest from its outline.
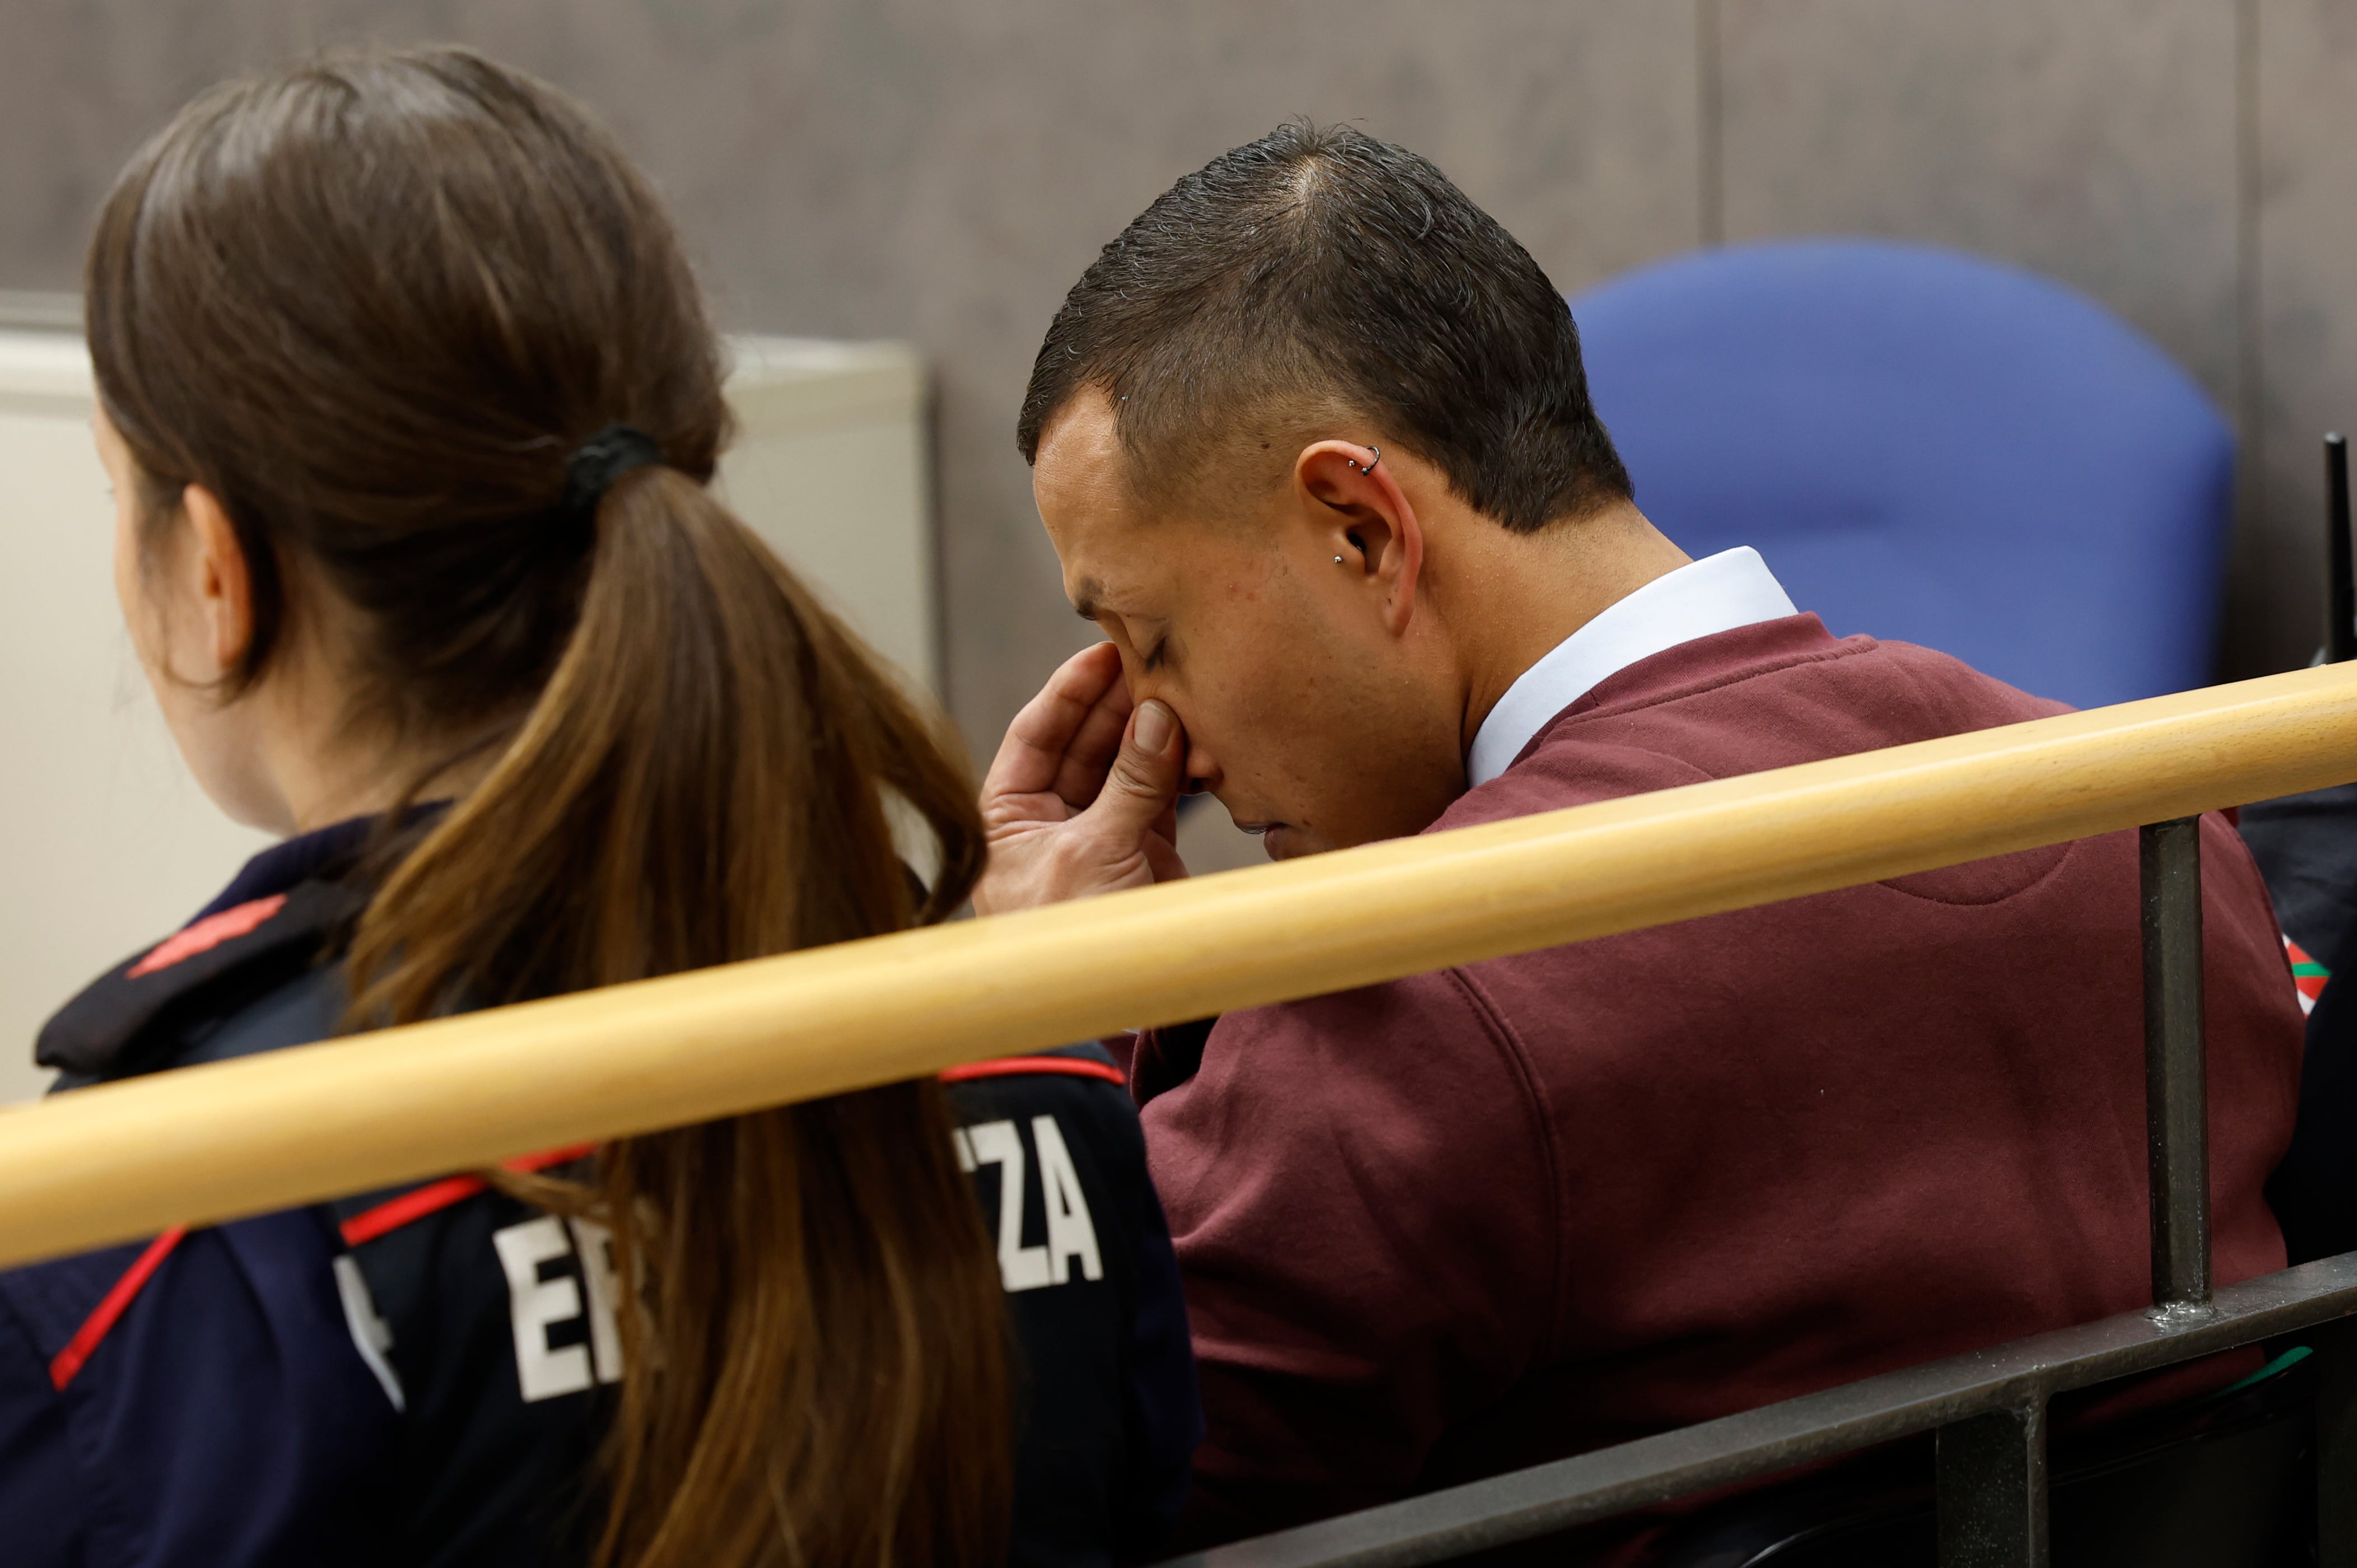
(1931, 447)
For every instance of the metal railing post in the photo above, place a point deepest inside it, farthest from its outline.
(1992, 1489)
(2339, 578)
(2177, 1110)
(2336, 1445)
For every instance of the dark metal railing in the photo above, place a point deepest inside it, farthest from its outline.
(1988, 1408)
(2006, 1383)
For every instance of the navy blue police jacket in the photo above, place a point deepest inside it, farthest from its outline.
(420, 1376)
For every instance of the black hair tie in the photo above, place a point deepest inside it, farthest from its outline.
(598, 462)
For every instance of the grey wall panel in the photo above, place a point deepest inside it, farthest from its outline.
(2306, 287)
(943, 172)
(2095, 142)
(940, 173)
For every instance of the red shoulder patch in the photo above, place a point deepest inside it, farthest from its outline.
(207, 934)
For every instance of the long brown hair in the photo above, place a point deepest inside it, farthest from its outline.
(374, 303)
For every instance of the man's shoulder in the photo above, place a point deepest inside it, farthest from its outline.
(1768, 696)
(1427, 1057)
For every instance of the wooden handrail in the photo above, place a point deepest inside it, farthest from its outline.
(211, 1142)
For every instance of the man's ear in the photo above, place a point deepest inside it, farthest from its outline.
(1359, 513)
(219, 579)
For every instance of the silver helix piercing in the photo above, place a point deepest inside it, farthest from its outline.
(1338, 560)
(1368, 466)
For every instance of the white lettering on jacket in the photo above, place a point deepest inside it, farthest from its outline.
(537, 1305)
(998, 1143)
(372, 1335)
(596, 1245)
(1071, 1233)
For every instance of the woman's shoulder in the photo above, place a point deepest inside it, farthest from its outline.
(242, 980)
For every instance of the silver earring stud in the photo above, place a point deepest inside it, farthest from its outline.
(1338, 560)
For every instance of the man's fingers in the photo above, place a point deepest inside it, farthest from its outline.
(1123, 839)
(1082, 771)
(1032, 756)
(1163, 859)
(1142, 782)
(1162, 855)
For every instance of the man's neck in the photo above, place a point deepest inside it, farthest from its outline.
(1514, 597)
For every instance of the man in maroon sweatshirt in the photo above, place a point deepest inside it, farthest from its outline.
(1315, 449)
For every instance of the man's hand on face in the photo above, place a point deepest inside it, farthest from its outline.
(1084, 795)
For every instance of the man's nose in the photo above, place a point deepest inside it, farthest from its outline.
(1202, 774)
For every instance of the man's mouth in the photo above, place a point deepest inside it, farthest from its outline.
(1279, 841)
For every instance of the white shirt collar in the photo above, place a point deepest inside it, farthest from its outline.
(1701, 598)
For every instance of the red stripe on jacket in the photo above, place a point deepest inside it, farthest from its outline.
(1008, 1066)
(434, 1197)
(67, 1362)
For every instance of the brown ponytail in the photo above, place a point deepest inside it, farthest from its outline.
(382, 380)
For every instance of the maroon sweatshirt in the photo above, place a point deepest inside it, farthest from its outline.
(1483, 1218)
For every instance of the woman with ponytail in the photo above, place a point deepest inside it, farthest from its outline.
(411, 407)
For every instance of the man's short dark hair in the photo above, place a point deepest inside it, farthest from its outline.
(1316, 275)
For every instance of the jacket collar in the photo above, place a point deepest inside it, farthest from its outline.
(324, 853)
(1719, 593)
(286, 908)
(1701, 664)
